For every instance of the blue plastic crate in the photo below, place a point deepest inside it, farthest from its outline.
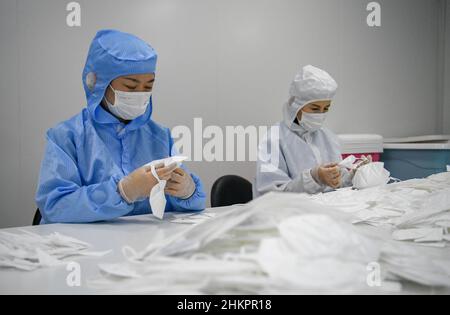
(408, 161)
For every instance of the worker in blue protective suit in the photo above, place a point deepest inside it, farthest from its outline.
(95, 164)
(299, 154)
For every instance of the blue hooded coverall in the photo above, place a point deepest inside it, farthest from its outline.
(87, 155)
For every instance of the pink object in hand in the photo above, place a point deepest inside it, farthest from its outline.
(376, 157)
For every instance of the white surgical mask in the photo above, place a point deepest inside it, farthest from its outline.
(312, 122)
(129, 105)
(371, 175)
(157, 196)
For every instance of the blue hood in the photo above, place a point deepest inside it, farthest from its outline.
(113, 54)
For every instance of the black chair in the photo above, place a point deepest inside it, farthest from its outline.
(37, 218)
(230, 190)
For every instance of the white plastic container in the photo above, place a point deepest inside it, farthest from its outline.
(362, 144)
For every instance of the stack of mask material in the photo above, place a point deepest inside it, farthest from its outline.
(28, 251)
(427, 266)
(290, 244)
(280, 243)
(416, 210)
(190, 218)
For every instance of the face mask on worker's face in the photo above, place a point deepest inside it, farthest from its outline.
(129, 105)
(313, 122)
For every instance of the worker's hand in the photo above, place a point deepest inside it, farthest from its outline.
(330, 175)
(139, 184)
(364, 160)
(180, 185)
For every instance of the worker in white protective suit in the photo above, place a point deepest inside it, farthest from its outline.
(299, 154)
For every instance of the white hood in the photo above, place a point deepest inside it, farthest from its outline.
(310, 85)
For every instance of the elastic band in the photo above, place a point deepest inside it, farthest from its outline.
(154, 173)
(122, 193)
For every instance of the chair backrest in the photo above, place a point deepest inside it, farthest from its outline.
(230, 190)
(37, 218)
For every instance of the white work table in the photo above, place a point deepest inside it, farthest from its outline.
(136, 232)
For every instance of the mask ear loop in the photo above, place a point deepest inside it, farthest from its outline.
(104, 97)
(161, 183)
(153, 170)
(110, 86)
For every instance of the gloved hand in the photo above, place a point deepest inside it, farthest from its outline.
(180, 185)
(330, 175)
(139, 183)
(364, 160)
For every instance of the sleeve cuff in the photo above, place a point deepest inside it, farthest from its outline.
(306, 183)
(311, 185)
(196, 202)
(315, 175)
(122, 197)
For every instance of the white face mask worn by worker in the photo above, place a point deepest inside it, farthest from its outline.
(129, 105)
(313, 122)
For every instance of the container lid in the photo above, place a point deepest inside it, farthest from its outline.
(361, 143)
(427, 139)
(432, 142)
(417, 146)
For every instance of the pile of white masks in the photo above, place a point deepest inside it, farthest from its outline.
(416, 211)
(28, 251)
(291, 244)
(280, 243)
